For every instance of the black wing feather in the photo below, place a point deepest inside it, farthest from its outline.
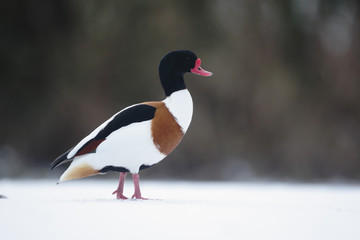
(60, 160)
(137, 113)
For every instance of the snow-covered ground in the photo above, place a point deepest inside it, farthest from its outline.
(85, 209)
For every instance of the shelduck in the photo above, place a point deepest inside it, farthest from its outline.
(140, 135)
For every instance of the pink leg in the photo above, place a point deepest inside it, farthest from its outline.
(119, 191)
(137, 193)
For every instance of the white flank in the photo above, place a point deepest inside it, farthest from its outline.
(129, 147)
(180, 105)
(93, 134)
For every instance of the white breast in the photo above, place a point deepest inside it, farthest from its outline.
(180, 105)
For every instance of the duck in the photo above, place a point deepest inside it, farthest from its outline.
(141, 135)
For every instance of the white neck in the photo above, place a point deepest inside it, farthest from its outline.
(180, 105)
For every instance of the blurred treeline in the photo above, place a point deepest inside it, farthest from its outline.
(284, 101)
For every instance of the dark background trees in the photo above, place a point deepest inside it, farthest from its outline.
(283, 102)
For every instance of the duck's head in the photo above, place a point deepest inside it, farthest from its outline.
(180, 62)
(174, 65)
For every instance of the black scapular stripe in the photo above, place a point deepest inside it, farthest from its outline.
(137, 113)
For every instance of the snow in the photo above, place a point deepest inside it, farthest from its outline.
(85, 209)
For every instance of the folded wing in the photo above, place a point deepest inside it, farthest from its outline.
(133, 114)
